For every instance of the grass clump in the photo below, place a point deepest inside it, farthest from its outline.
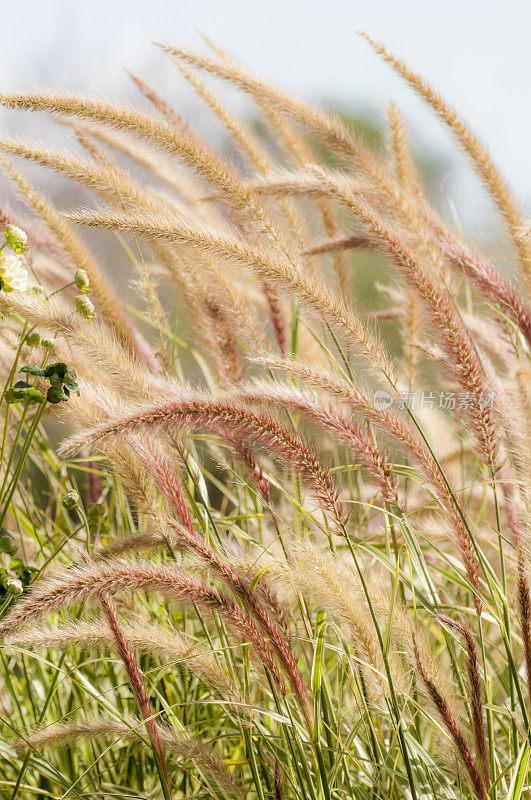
(246, 551)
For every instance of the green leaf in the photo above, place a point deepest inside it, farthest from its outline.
(33, 369)
(259, 575)
(58, 369)
(317, 666)
(71, 386)
(520, 772)
(57, 394)
(22, 392)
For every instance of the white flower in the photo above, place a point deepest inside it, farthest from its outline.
(13, 275)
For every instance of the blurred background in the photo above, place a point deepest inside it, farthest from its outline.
(476, 52)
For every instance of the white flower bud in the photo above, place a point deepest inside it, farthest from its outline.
(85, 307)
(16, 238)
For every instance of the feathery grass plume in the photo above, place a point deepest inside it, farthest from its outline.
(490, 282)
(108, 180)
(260, 598)
(407, 178)
(224, 416)
(123, 189)
(64, 733)
(390, 424)
(345, 243)
(142, 493)
(273, 395)
(250, 147)
(402, 159)
(476, 693)
(88, 582)
(239, 303)
(524, 606)
(476, 266)
(394, 427)
(401, 624)
(332, 581)
(322, 577)
(300, 184)
(297, 148)
(259, 429)
(133, 544)
(254, 470)
(153, 458)
(181, 142)
(329, 217)
(172, 536)
(115, 185)
(184, 185)
(89, 144)
(452, 726)
(231, 361)
(326, 126)
(240, 132)
(169, 485)
(476, 152)
(310, 291)
(463, 359)
(499, 350)
(293, 143)
(213, 319)
(110, 306)
(191, 149)
(158, 101)
(158, 467)
(521, 397)
(222, 322)
(136, 680)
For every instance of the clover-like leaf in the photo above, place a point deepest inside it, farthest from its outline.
(71, 386)
(62, 382)
(33, 369)
(57, 393)
(59, 369)
(23, 392)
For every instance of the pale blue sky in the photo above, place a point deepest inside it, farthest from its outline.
(476, 52)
